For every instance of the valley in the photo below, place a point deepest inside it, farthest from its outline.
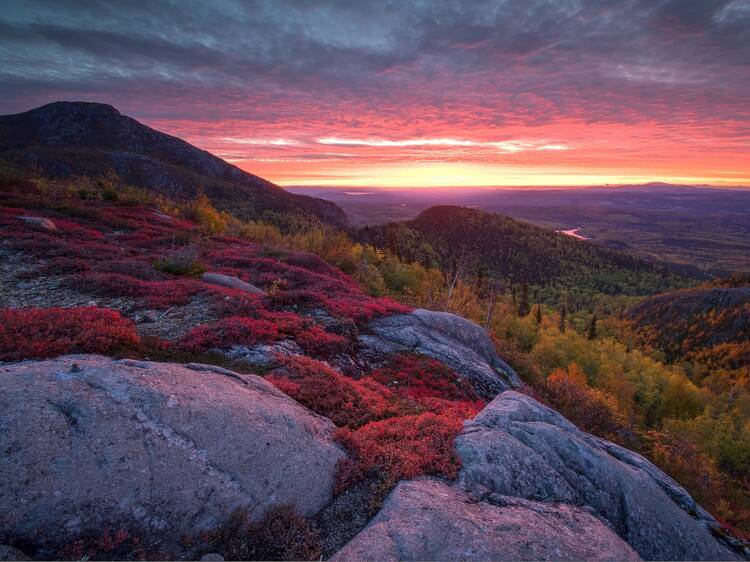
(697, 230)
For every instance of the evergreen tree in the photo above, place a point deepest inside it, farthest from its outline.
(592, 328)
(523, 305)
(538, 315)
(563, 314)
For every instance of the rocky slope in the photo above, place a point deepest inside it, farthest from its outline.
(358, 396)
(64, 139)
(94, 441)
(518, 447)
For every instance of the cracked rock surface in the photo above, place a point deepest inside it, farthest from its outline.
(89, 441)
(518, 447)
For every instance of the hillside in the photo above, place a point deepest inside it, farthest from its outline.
(308, 418)
(64, 139)
(492, 245)
(709, 325)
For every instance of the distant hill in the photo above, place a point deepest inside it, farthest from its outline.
(517, 252)
(708, 324)
(87, 139)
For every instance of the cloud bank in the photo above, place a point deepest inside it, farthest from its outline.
(340, 91)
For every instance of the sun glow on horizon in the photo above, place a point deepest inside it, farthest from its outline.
(562, 154)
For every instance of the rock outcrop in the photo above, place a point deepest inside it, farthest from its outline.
(90, 442)
(41, 222)
(230, 282)
(426, 519)
(518, 447)
(456, 341)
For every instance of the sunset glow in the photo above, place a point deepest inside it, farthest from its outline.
(476, 94)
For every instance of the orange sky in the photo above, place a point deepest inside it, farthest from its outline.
(565, 153)
(410, 94)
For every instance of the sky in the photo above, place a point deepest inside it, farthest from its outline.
(409, 93)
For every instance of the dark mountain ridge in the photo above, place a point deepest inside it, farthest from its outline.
(64, 139)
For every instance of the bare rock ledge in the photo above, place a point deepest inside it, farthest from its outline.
(425, 519)
(518, 447)
(90, 442)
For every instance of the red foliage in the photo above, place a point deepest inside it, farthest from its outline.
(305, 280)
(365, 309)
(421, 377)
(57, 266)
(120, 545)
(316, 341)
(132, 267)
(37, 333)
(402, 448)
(347, 402)
(234, 302)
(69, 229)
(265, 327)
(156, 294)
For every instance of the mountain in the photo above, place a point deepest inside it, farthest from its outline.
(494, 245)
(64, 139)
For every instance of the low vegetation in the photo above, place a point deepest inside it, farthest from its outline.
(49, 332)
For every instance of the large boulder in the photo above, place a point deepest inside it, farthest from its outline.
(456, 341)
(427, 520)
(89, 442)
(518, 447)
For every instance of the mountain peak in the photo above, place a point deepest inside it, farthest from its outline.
(91, 107)
(78, 138)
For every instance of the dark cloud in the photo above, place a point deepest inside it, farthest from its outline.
(492, 62)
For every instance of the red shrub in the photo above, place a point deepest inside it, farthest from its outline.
(37, 333)
(156, 294)
(71, 229)
(133, 267)
(347, 402)
(401, 448)
(120, 545)
(43, 245)
(237, 330)
(316, 341)
(265, 327)
(234, 302)
(420, 377)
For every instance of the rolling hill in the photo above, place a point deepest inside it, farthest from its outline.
(516, 252)
(65, 139)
